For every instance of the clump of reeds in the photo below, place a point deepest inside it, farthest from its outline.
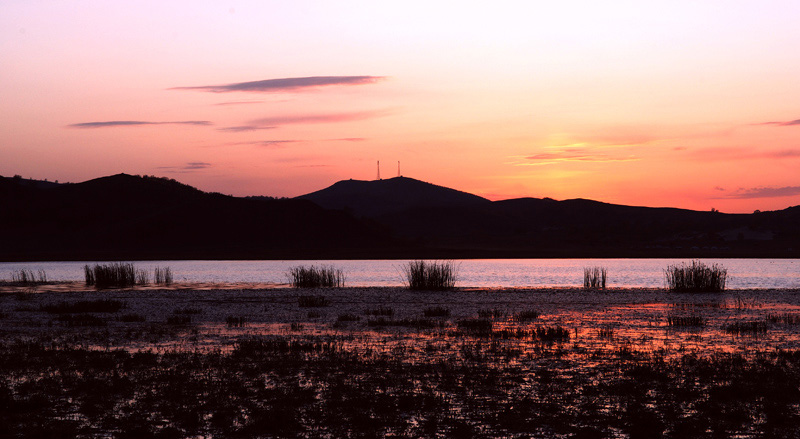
(697, 277)
(750, 327)
(162, 276)
(684, 321)
(142, 277)
(785, 318)
(116, 274)
(689, 306)
(605, 333)
(526, 316)
(436, 311)
(491, 313)
(426, 275)
(315, 277)
(27, 277)
(312, 301)
(552, 333)
(594, 278)
(236, 321)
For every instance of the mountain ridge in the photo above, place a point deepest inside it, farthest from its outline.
(124, 217)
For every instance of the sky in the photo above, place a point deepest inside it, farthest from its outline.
(690, 104)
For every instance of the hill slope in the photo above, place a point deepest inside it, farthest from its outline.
(129, 217)
(461, 223)
(382, 197)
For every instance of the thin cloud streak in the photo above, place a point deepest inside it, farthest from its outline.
(133, 123)
(571, 155)
(245, 128)
(736, 153)
(286, 84)
(189, 167)
(764, 192)
(319, 118)
(270, 144)
(783, 124)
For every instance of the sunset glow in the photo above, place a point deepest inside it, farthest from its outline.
(668, 103)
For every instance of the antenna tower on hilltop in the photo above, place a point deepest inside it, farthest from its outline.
(398, 169)
(379, 169)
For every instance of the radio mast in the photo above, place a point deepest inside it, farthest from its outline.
(379, 169)
(398, 169)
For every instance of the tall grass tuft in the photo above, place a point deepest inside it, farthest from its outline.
(676, 321)
(27, 277)
(696, 278)
(162, 276)
(315, 277)
(116, 274)
(594, 278)
(422, 275)
(142, 277)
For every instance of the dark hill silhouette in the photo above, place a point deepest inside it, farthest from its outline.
(381, 197)
(463, 223)
(131, 217)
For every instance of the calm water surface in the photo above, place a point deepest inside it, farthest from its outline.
(742, 273)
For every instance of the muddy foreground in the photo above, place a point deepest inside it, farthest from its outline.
(280, 362)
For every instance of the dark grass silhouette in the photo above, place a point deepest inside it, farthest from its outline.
(114, 275)
(682, 321)
(162, 276)
(426, 275)
(316, 277)
(594, 278)
(28, 277)
(696, 278)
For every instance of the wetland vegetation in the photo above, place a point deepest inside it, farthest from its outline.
(396, 362)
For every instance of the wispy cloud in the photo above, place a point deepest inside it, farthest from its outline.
(782, 124)
(318, 118)
(245, 128)
(269, 144)
(286, 84)
(571, 155)
(133, 123)
(275, 144)
(738, 153)
(188, 167)
(764, 192)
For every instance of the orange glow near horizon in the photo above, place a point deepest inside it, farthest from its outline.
(659, 104)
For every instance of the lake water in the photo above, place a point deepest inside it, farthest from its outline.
(742, 273)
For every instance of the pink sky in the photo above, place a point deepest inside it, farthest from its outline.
(675, 103)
